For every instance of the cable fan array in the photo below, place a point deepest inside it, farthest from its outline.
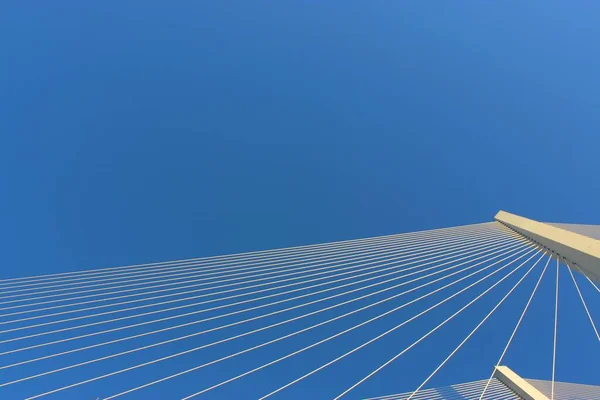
(267, 323)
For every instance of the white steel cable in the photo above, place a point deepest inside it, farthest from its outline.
(251, 268)
(246, 333)
(242, 302)
(327, 270)
(188, 351)
(514, 332)
(466, 339)
(95, 271)
(324, 340)
(253, 308)
(204, 270)
(314, 344)
(583, 302)
(461, 391)
(467, 385)
(202, 267)
(568, 391)
(297, 271)
(280, 311)
(498, 392)
(104, 293)
(433, 330)
(555, 327)
(169, 302)
(506, 251)
(311, 293)
(593, 284)
(352, 351)
(236, 267)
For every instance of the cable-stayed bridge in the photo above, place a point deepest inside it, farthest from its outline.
(320, 321)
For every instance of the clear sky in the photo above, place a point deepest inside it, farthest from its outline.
(138, 131)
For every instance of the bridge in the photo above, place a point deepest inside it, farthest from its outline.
(288, 323)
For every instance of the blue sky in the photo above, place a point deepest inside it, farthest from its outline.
(145, 131)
